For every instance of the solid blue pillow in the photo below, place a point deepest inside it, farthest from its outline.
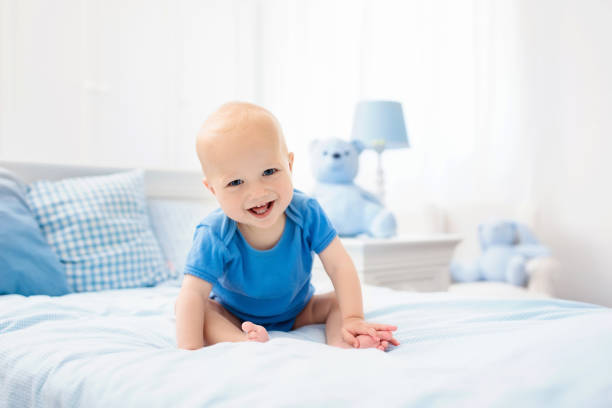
(28, 265)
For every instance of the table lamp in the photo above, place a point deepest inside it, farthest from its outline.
(379, 125)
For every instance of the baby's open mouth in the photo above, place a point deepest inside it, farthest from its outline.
(262, 210)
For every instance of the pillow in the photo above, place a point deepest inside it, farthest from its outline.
(100, 229)
(174, 223)
(28, 265)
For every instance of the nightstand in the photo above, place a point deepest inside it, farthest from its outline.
(405, 262)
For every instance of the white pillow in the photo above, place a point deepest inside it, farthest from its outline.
(174, 223)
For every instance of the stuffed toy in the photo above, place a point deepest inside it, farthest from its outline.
(351, 209)
(506, 246)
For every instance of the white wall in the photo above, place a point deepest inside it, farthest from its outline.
(120, 82)
(568, 111)
(129, 82)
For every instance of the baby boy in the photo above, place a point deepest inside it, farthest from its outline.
(249, 268)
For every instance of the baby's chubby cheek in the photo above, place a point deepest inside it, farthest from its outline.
(229, 207)
(286, 196)
(235, 212)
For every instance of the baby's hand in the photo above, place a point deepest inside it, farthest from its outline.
(355, 330)
(386, 337)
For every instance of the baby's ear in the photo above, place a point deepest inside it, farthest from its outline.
(291, 161)
(208, 186)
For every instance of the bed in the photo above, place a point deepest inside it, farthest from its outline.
(114, 348)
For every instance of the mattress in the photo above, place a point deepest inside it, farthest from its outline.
(118, 348)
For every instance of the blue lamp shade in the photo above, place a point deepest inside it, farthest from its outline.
(380, 125)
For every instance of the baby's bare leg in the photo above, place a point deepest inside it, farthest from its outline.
(325, 309)
(333, 331)
(220, 325)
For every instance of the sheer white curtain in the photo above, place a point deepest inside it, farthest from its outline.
(455, 66)
(311, 70)
(129, 83)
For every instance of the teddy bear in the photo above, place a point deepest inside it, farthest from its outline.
(351, 209)
(507, 246)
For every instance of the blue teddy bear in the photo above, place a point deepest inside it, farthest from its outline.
(506, 246)
(351, 209)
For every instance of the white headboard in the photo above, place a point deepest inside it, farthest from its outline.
(175, 184)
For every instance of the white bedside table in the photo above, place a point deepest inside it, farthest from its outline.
(406, 262)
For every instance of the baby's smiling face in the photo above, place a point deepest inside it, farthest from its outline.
(246, 165)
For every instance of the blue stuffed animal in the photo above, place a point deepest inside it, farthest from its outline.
(351, 209)
(506, 248)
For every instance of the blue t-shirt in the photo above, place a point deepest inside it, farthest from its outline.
(263, 286)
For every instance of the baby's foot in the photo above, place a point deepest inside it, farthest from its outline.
(255, 332)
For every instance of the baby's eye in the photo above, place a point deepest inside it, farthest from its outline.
(269, 172)
(234, 183)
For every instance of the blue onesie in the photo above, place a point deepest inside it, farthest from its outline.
(269, 287)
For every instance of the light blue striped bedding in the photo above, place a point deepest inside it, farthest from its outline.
(117, 349)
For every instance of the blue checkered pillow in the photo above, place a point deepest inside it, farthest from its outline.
(100, 229)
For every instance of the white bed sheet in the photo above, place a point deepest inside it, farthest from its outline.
(118, 348)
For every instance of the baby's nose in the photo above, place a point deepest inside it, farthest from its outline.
(258, 191)
(336, 155)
